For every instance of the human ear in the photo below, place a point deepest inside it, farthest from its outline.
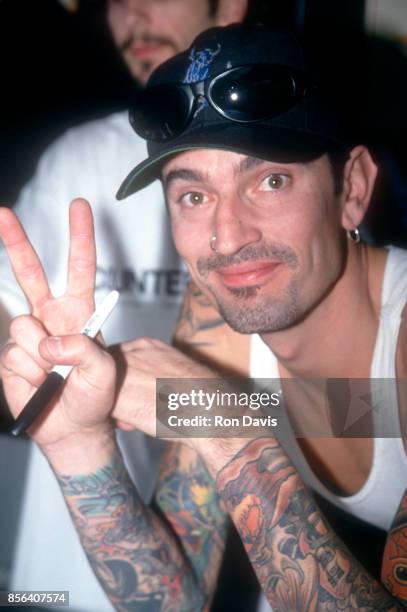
(231, 11)
(358, 182)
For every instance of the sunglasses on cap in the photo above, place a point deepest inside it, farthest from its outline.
(244, 94)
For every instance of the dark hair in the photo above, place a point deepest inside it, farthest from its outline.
(337, 159)
(270, 12)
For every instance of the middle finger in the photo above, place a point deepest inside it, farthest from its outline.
(82, 251)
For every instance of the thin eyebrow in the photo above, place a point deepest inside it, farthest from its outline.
(183, 174)
(247, 164)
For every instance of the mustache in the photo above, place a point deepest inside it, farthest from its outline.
(145, 38)
(275, 252)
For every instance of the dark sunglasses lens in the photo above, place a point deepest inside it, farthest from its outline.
(160, 113)
(252, 93)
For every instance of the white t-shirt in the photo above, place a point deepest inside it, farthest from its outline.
(135, 255)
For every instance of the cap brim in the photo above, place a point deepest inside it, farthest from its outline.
(265, 142)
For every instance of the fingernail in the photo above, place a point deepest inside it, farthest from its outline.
(54, 345)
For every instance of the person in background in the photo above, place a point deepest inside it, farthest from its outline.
(135, 256)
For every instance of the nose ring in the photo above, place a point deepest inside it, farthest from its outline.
(212, 243)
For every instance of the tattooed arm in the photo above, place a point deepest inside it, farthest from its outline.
(202, 334)
(135, 555)
(394, 568)
(187, 495)
(300, 562)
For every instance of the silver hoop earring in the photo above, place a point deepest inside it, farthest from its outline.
(354, 235)
(212, 243)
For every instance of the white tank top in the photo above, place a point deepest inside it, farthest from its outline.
(378, 499)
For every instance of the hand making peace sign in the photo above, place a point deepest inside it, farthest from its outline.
(36, 343)
(51, 335)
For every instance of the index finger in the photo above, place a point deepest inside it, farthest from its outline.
(24, 260)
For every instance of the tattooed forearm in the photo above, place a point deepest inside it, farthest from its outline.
(394, 569)
(187, 495)
(136, 558)
(300, 562)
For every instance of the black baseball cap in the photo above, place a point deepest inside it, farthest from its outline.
(309, 128)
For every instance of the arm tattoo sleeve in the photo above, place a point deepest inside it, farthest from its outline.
(394, 569)
(187, 495)
(135, 556)
(300, 562)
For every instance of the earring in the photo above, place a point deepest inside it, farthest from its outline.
(212, 243)
(353, 235)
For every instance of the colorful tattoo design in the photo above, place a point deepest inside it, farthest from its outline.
(394, 568)
(188, 497)
(135, 556)
(300, 562)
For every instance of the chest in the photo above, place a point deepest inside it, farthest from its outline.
(341, 464)
(321, 413)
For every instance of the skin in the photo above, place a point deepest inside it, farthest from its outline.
(203, 334)
(270, 256)
(296, 555)
(81, 445)
(149, 32)
(263, 255)
(343, 464)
